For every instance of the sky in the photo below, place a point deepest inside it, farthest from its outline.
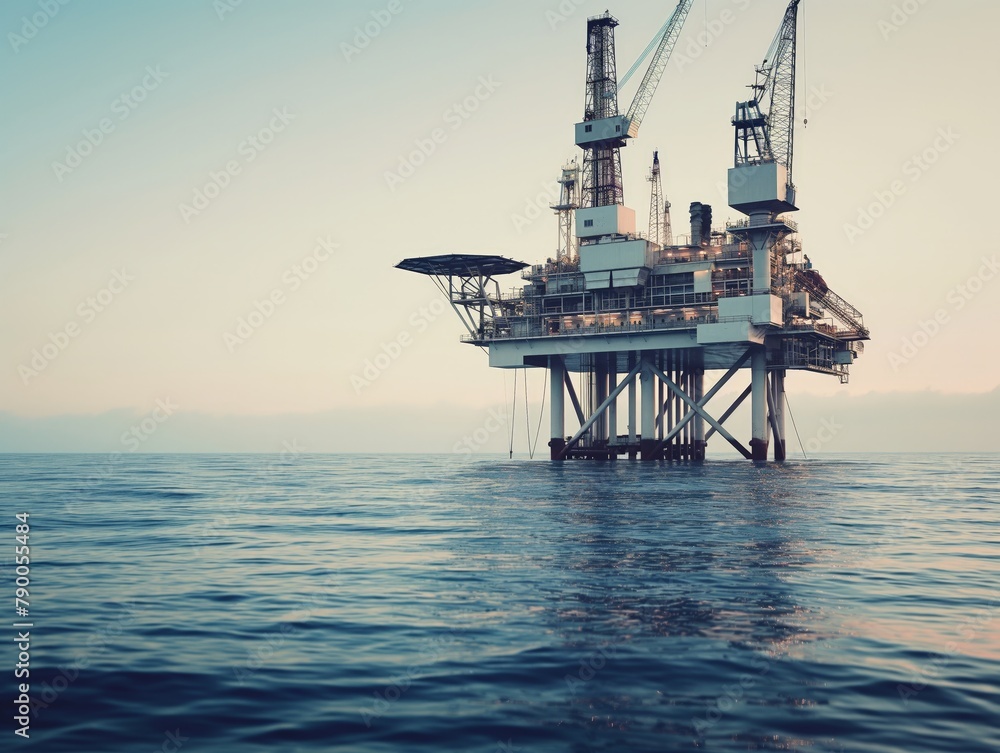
(203, 201)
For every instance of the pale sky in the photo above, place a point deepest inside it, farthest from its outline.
(301, 117)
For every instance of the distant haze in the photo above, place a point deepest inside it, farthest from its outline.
(205, 207)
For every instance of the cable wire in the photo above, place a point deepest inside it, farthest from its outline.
(513, 415)
(527, 420)
(801, 446)
(541, 413)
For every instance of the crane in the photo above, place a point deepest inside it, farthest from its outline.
(770, 137)
(644, 95)
(604, 130)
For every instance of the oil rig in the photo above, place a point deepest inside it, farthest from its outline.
(627, 324)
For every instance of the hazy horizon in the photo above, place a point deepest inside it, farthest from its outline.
(229, 241)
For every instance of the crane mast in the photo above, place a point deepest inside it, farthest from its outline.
(780, 85)
(760, 182)
(769, 137)
(604, 130)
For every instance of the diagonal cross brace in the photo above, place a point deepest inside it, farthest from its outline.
(771, 417)
(700, 411)
(732, 409)
(597, 413)
(572, 392)
(704, 401)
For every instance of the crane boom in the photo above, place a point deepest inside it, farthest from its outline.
(779, 88)
(763, 137)
(644, 95)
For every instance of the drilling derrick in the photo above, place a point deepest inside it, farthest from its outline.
(603, 134)
(660, 229)
(656, 203)
(628, 327)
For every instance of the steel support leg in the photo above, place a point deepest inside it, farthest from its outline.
(613, 408)
(600, 395)
(699, 423)
(701, 411)
(780, 447)
(759, 443)
(648, 443)
(599, 411)
(557, 403)
(633, 432)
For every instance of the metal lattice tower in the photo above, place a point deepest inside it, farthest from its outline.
(569, 202)
(656, 203)
(770, 137)
(602, 166)
(668, 231)
(781, 85)
(660, 227)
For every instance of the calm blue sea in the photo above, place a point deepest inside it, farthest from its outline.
(259, 603)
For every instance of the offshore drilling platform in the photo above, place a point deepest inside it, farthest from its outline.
(639, 320)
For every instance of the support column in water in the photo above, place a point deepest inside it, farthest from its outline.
(778, 400)
(758, 397)
(699, 423)
(557, 403)
(648, 443)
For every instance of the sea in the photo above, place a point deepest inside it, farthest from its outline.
(419, 603)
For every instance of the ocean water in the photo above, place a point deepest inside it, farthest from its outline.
(428, 603)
